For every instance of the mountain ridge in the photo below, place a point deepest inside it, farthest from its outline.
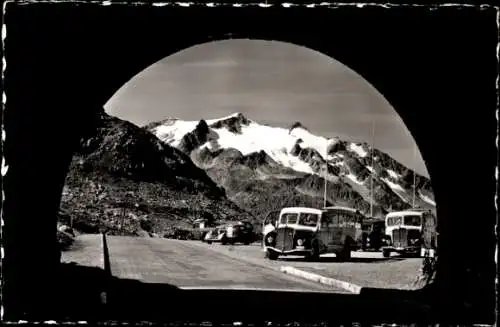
(294, 153)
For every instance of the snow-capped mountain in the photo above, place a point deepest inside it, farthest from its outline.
(294, 154)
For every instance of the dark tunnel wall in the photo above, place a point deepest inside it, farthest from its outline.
(63, 68)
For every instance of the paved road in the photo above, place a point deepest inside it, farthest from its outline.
(85, 251)
(366, 269)
(189, 265)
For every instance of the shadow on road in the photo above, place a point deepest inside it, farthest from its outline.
(79, 297)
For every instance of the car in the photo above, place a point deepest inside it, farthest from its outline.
(240, 232)
(217, 235)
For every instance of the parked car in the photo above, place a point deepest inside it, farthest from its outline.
(240, 232)
(231, 233)
(217, 235)
(373, 234)
(182, 234)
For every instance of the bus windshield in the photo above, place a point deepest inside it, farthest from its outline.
(393, 221)
(289, 218)
(308, 219)
(413, 220)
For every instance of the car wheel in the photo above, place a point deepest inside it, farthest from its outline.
(386, 253)
(271, 255)
(209, 242)
(224, 241)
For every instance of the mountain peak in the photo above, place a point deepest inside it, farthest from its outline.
(233, 123)
(295, 125)
(237, 115)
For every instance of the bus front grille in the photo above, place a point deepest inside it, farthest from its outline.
(400, 237)
(284, 239)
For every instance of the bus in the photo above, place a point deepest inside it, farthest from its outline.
(311, 232)
(407, 231)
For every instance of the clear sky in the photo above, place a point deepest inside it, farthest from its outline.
(270, 82)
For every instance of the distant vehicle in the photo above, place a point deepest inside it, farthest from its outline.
(403, 230)
(240, 232)
(232, 233)
(217, 235)
(181, 234)
(311, 232)
(200, 228)
(373, 234)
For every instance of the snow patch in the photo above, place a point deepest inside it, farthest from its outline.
(392, 173)
(358, 149)
(427, 199)
(319, 143)
(354, 179)
(172, 134)
(393, 186)
(174, 130)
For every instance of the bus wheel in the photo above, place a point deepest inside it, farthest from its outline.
(345, 254)
(314, 255)
(271, 255)
(386, 253)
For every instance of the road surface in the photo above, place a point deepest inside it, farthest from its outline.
(366, 269)
(85, 251)
(188, 265)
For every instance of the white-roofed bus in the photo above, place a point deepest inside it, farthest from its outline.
(311, 232)
(410, 232)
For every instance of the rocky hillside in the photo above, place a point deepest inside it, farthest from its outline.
(124, 179)
(263, 167)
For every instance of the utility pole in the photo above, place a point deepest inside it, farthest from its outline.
(414, 175)
(326, 174)
(373, 168)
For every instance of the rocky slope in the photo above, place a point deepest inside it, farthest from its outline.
(124, 179)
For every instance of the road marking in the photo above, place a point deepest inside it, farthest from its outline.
(353, 288)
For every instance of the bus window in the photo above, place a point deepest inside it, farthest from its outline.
(334, 220)
(288, 218)
(326, 220)
(359, 219)
(330, 218)
(393, 221)
(351, 220)
(413, 220)
(308, 219)
(341, 220)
